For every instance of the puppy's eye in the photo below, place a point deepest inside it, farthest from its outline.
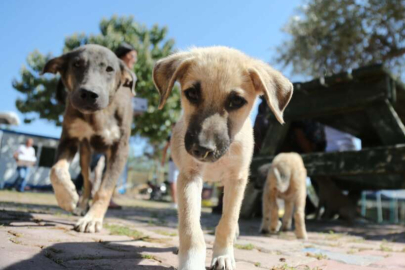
(109, 69)
(235, 102)
(78, 64)
(193, 94)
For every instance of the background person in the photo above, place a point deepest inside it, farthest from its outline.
(173, 171)
(25, 158)
(128, 54)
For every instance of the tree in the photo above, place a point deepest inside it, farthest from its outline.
(151, 44)
(331, 36)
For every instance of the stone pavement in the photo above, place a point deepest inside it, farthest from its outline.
(36, 234)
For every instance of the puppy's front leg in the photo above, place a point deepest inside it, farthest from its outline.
(65, 190)
(274, 222)
(192, 243)
(265, 227)
(223, 257)
(288, 211)
(93, 220)
(299, 217)
(85, 159)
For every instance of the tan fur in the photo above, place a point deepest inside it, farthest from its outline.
(219, 70)
(290, 168)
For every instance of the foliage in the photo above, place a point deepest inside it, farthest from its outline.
(330, 36)
(38, 92)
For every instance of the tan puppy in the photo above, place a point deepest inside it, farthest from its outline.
(286, 179)
(213, 140)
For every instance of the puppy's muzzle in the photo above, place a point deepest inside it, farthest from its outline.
(88, 96)
(87, 100)
(204, 154)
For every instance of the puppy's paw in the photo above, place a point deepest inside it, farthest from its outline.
(301, 235)
(223, 259)
(82, 207)
(264, 231)
(275, 226)
(226, 262)
(192, 260)
(89, 224)
(80, 211)
(65, 190)
(285, 228)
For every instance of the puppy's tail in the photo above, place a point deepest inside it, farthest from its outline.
(283, 179)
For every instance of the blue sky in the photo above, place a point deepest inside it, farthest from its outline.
(253, 27)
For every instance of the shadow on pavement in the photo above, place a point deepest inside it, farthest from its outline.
(93, 255)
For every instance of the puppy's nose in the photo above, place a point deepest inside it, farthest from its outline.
(88, 96)
(202, 152)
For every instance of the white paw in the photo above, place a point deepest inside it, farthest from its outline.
(89, 224)
(65, 190)
(223, 260)
(274, 228)
(301, 235)
(192, 260)
(226, 262)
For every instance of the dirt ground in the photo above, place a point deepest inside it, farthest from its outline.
(36, 234)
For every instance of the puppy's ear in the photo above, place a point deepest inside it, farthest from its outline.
(61, 92)
(128, 77)
(167, 71)
(54, 65)
(276, 88)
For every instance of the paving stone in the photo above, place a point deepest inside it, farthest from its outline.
(41, 236)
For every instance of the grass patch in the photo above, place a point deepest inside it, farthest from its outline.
(334, 236)
(245, 247)
(351, 251)
(122, 230)
(16, 234)
(358, 240)
(384, 246)
(154, 240)
(15, 241)
(166, 233)
(284, 267)
(257, 264)
(150, 257)
(319, 256)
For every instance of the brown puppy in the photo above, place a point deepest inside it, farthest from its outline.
(286, 179)
(334, 201)
(213, 140)
(98, 117)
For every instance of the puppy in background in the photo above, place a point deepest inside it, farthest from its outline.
(213, 140)
(286, 179)
(334, 201)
